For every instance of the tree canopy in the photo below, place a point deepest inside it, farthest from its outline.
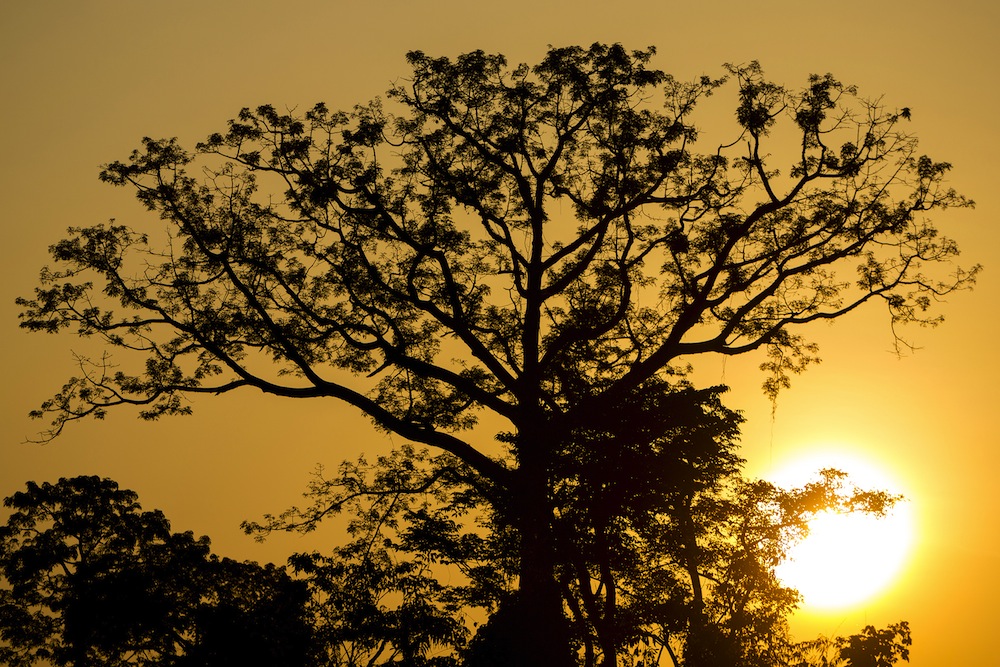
(504, 228)
(89, 578)
(545, 244)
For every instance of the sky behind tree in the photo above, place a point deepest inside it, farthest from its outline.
(83, 82)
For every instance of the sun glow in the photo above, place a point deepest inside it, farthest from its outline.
(847, 558)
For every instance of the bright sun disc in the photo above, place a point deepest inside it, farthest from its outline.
(847, 558)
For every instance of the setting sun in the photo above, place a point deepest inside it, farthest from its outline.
(847, 558)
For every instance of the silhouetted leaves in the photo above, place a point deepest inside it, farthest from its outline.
(89, 578)
(877, 648)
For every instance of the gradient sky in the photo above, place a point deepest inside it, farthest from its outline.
(82, 82)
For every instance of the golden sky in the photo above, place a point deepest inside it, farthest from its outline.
(82, 82)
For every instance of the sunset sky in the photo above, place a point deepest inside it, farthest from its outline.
(83, 82)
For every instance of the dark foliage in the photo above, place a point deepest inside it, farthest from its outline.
(544, 245)
(89, 578)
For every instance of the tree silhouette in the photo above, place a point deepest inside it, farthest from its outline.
(868, 648)
(540, 243)
(684, 571)
(422, 560)
(62, 553)
(877, 648)
(89, 578)
(250, 614)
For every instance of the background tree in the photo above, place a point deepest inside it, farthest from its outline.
(413, 524)
(540, 243)
(868, 648)
(250, 614)
(685, 575)
(66, 591)
(89, 578)
(877, 648)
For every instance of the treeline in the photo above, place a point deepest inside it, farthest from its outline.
(426, 577)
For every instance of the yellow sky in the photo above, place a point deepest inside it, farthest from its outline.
(82, 82)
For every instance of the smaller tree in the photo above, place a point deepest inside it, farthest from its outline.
(868, 648)
(65, 588)
(380, 598)
(877, 648)
(250, 614)
(89, 578)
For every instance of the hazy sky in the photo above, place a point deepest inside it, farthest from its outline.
(82, 82)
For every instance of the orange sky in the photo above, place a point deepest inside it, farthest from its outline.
(82, 82)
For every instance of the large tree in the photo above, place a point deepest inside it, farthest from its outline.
(542, 243)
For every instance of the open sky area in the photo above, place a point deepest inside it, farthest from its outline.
(83, 82)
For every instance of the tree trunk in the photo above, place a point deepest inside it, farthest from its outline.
(532, 629)
(544, 627)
